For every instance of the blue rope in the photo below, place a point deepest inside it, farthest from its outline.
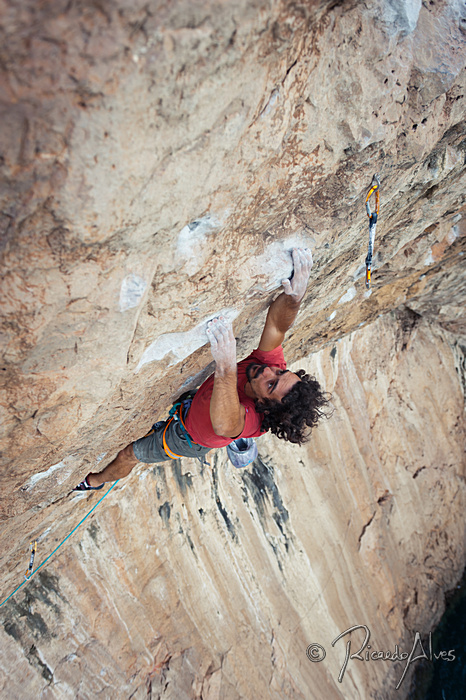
(50, 555)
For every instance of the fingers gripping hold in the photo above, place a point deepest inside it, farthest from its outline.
(287, 287)
(302, 259)
(218, 328)
(302, 265)
(222, 341)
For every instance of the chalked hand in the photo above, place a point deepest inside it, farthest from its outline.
(302, 265)
(222, 342)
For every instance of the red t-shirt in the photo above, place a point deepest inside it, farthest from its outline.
(198, 423)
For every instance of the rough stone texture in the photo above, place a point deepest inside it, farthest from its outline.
(157, 162)
(211, 583)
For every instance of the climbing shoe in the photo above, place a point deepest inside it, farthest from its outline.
(84, 486)
(242, 452)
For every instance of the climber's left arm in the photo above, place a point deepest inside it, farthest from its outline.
(283, 310)
(227, 414)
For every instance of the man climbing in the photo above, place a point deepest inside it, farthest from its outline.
(240, 400)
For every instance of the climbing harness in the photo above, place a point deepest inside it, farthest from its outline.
(178, 413)
(178, 410)
(31, 571)
(375, 186)
(33, 547)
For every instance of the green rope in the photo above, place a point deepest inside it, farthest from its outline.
(50, 555)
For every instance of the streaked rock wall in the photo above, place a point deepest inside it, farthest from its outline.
(211, 583)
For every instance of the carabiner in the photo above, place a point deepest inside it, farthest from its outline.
(375, 185)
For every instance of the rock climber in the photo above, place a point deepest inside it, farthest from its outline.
(239, 401)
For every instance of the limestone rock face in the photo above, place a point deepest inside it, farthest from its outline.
(212, 582)
(158, 161)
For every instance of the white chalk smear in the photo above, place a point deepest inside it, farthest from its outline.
(270, 104)
(348, 296)
(132, 291)
(429, 259)
(332, 316)
(275, 263)
(190, 246)
(360, 272)
(43, 535)
(61, 467)
(453, 157)
(181, 345)
(453, 234)
(367, 293)
(402, 15)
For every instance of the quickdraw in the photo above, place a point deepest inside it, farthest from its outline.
(33, 546)
(375, 186)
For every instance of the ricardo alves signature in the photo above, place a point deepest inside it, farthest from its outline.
(315, 652)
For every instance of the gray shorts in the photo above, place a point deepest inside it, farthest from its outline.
(149, 449)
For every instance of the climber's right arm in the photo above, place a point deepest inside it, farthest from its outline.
(284, 309)
(227, 414)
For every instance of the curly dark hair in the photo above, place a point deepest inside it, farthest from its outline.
(303, 406)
